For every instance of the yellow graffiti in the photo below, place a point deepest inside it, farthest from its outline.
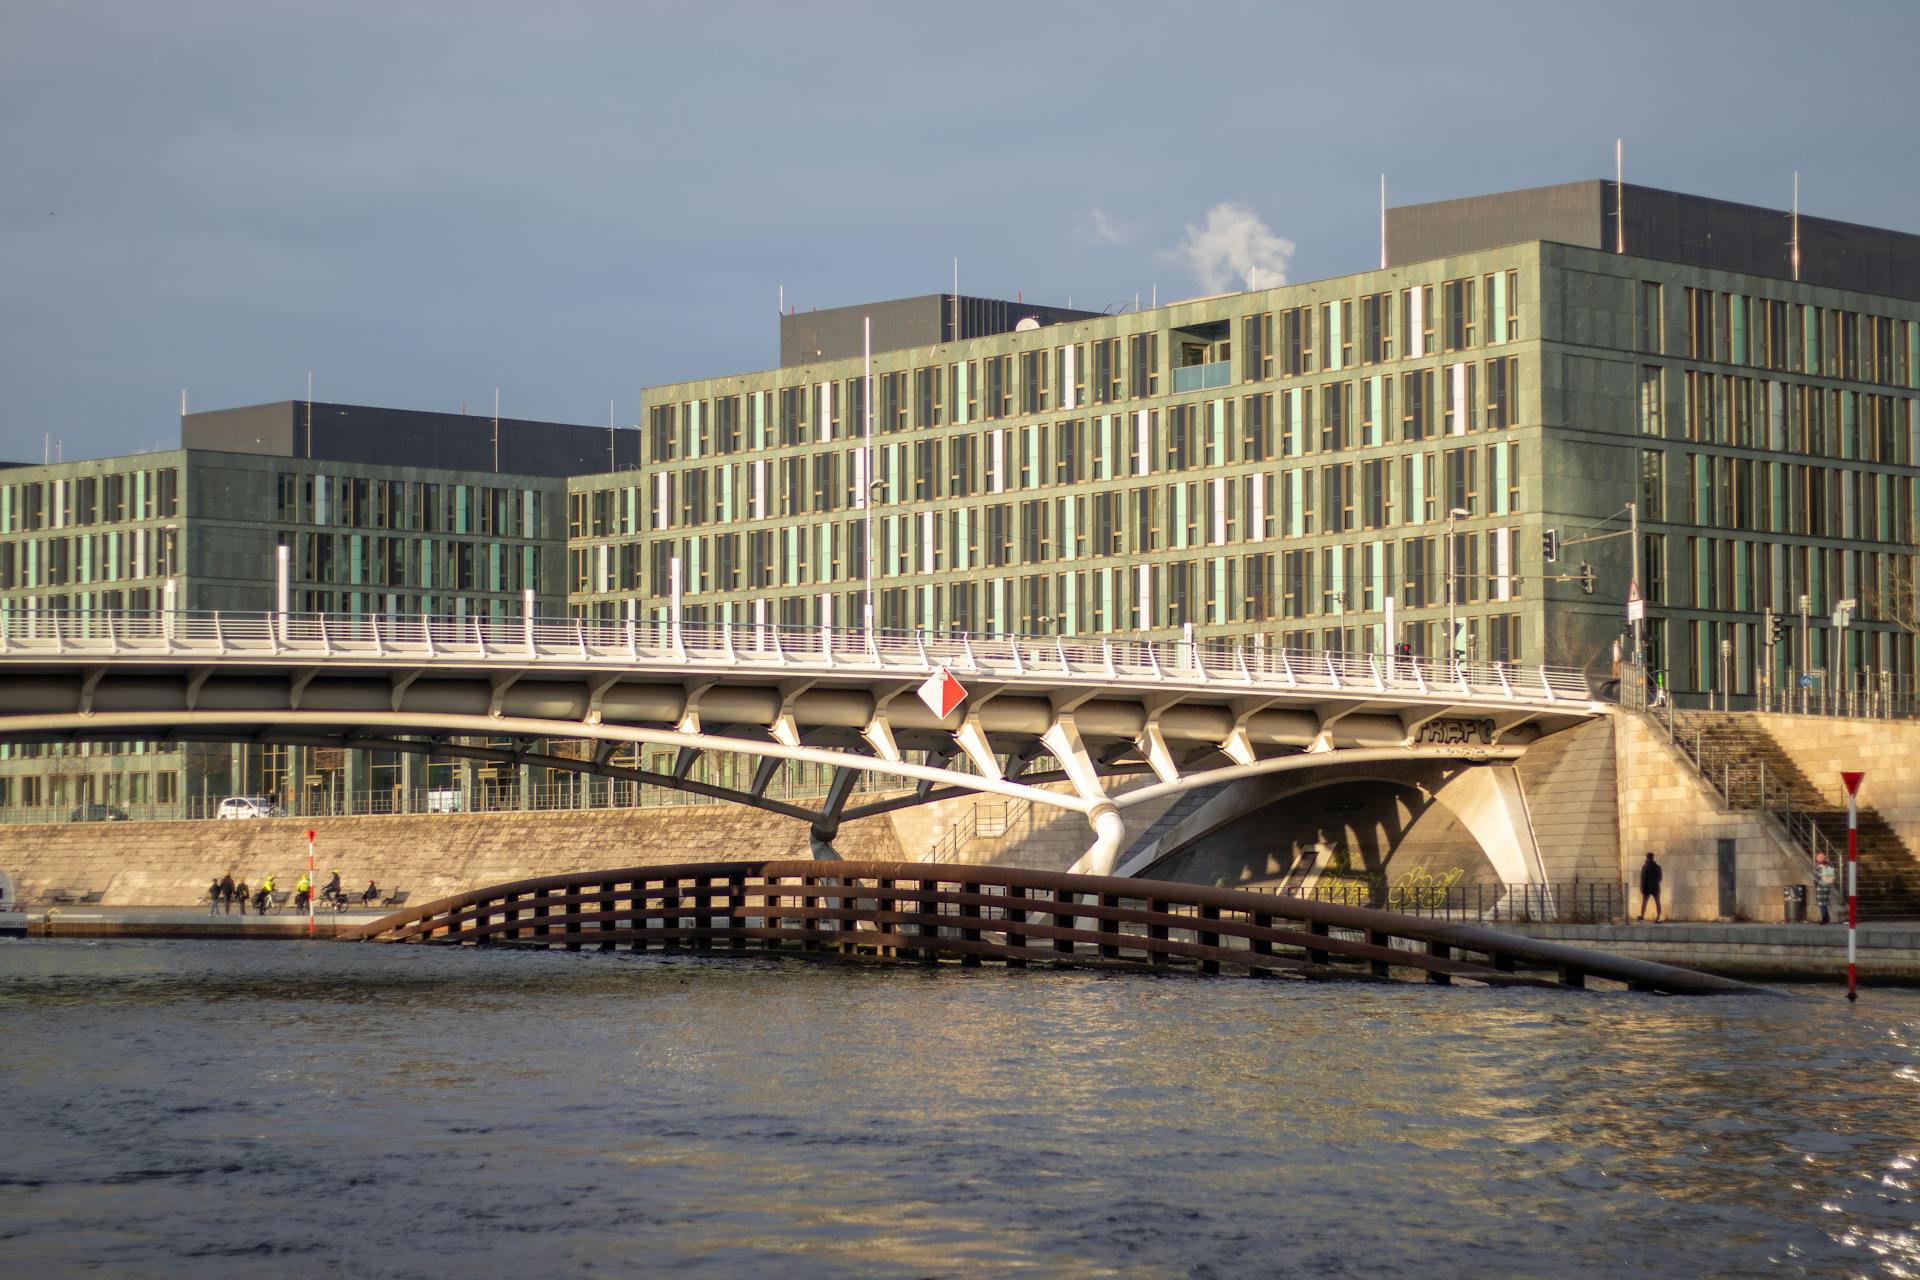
(1421, 890)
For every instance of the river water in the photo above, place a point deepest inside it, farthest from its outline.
(235, 1109)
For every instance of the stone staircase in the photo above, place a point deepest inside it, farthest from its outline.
(988, 820)
(1179, 811)
(1742, 762)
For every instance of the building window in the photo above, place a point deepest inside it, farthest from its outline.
(1652, 400)
(1652, 317)
(1143, 364)
(1653, 484)
(1503, 393)
(1456, 300)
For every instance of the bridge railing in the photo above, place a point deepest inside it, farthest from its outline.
(1005, 914)
(578, 640)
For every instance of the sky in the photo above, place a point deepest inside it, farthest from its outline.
(420, 203)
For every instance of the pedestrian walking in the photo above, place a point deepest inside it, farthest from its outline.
(213, 898)
(302, 890)
(226, 894)
(240, 895)
(1650, 876)
(1824, 876)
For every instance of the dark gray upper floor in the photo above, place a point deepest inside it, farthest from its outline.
(1667, 225)
(411, 438)
(837, 333)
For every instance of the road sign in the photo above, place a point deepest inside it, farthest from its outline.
(1806, 682)
(1636, 607)
(942, 693)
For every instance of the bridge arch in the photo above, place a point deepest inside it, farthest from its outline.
(1367, 821)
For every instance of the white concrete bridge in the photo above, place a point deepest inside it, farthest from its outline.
(1192, 715)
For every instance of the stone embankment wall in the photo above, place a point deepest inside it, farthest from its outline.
(432, 855)
(1573, 801)
(428, 855)
(1666, 807)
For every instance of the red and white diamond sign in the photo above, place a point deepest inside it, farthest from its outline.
(942, 693)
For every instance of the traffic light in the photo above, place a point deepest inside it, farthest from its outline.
(1404, 650)
(1550, 546)
(1586, 577)
(1782, 626)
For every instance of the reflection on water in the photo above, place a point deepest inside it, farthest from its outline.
(215, 1108)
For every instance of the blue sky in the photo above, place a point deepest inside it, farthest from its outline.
(423, 202)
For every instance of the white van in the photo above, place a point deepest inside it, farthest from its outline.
(249, 807)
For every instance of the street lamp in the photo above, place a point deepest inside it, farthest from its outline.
(874, 489)
(866, 467)
(1453, 633)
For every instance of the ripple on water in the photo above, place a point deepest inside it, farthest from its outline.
(210, 1109)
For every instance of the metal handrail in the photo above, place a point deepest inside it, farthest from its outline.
(970, 824)
(1797, 824)
(572, 641)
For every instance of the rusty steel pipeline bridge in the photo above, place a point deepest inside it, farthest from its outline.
(973, 914)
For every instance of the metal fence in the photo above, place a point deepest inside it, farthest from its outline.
(1860, 695)
(1565, 902)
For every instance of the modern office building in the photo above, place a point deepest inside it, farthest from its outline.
(374, 522)
(1276, 467)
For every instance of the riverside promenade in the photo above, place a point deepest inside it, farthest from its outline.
(1889, 951)
(176, 922)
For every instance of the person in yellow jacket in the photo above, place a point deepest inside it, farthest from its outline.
(302, 890)
(264, 898)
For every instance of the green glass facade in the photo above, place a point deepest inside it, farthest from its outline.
(1273, 466)
(113, 533)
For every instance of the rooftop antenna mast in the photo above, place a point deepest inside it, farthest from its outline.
(956, 299)
(183, 402)
(309, 413)
(1383, 222)
(611, 465)
(496, 431)
(1619, 196)
(1796, 224)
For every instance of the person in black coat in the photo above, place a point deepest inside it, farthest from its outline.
(1650, 877)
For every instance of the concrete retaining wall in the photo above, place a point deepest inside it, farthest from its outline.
(1570, 783)
(1665, 807)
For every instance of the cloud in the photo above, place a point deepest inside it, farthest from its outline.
(1232, 248)
(1101, 228)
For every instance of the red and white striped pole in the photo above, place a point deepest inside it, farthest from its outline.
(310, 882)
(1853, 872)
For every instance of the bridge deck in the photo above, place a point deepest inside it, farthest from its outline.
(344, 641)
